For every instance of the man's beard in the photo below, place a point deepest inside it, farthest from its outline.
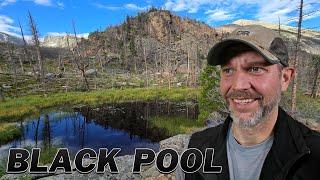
(260, 115)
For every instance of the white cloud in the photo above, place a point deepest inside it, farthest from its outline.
(60, 4)
(187, 5)
(7, 2)
(102, 6)
(135, 7)
(264, 10)
(219, 15)
(129, 6)
(43, 2)
(270, 10)
(6, 26)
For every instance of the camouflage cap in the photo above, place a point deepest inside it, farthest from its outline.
(262, 40)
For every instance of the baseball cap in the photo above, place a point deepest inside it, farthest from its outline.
(265, 41)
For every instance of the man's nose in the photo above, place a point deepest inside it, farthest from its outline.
(241, 81)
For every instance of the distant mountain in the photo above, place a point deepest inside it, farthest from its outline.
(4, 37)
(156, 37)
(305, 32)
(310, 40)
(60, 41)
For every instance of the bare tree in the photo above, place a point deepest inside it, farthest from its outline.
(279, 25)
(35, 39)
(188, 66)
(26, 54)
(145, 44)
(295, 62)
(1, 94)
(316, 64)
(79, 58)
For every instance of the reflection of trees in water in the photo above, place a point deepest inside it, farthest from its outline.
(82, 129)
(46, 132)
(36, 132)
(133, 116)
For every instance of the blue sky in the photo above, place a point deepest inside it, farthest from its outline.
(55, 16)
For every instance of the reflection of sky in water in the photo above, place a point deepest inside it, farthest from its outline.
(71, 131)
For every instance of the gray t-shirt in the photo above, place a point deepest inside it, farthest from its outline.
(245, 162)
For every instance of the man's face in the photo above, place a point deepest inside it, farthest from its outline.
(251, 87)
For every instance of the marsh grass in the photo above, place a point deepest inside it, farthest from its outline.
(46, 154)
(8, 132)
(18, 108)
(176, 125)
(307, 107)
(46, 157)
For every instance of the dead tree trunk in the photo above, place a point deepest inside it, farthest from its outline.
(316, 62)
(12, 61)
(80, 61)
(295, 62)
(188, 66)
(145, 64)
(35, 38)
(1, 94)
(26, 55)
(279, 26)
(315, 84)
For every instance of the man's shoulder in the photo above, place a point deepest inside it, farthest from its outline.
(311, 137)
(209, 135)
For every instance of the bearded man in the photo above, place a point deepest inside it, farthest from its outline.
(258, 140)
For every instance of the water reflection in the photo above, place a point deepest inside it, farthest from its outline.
(123, 125)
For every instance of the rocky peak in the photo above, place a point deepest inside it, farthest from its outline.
(59, 41)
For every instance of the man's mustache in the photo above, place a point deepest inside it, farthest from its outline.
(243, 95)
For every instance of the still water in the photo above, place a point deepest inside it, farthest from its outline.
(122, 125)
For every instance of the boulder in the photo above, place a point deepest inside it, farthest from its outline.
(5, 86)
(91, 72)
(49, 76)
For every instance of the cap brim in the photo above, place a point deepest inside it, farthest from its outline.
(216, 52)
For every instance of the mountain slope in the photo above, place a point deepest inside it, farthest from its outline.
(4, 37)
(162, 38)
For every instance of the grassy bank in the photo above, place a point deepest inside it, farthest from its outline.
(176, 125)
(8, 132)
(307, 107)
(18, 108)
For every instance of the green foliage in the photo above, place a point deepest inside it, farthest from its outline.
(3, 164)
(47, 154)
(210, 98)
(132, 48)
(153, 9)
(176, 125)
(316, 61)
(307, 107)
(9, 132)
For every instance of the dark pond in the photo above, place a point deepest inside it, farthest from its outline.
(122, 125)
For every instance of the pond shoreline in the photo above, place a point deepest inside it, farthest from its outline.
(19, 108)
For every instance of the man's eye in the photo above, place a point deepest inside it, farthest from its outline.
(227, 71)
(255, 69)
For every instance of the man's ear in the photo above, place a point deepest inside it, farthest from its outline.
(287, 75)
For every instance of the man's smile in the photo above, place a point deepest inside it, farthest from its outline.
(244, 104)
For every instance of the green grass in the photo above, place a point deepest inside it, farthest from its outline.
(8, 132)
(307, 107)
(18, 108)
(46, 157)
(176, 125)
(46, 154)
